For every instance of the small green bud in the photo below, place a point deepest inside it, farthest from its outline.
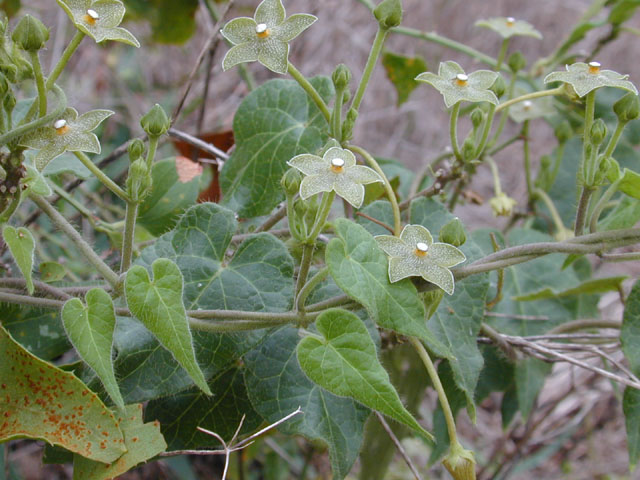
(502, 205)
(4, 85)
(598, 132)
(291, 182)
(477, 117)
(139, 180)
(388, 13)
(155, 123)
(453, 233)
(341, 77)
(136, 149)
(9, 102)
(431, 300)
(499, 86)
(604, 165)
(460, 463)
(468, 150)
(346, 97)
(627, 108)
(517, 62)
(349, 123)
(563, 132)
(545, 161)
(30, 34)
(10, 71)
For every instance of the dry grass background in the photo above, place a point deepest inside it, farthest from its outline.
(414, 133)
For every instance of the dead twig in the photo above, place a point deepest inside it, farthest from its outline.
(399, 446)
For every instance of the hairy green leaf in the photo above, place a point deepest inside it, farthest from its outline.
(21, 245)
(51, 272)
(277, 386)
(274, 123)
(597, 285)
(41, 401)
(630, 331)
(402, 72)
(631, 410)
(171, 22)
(344, 361)
(158, 304)
(90, 329)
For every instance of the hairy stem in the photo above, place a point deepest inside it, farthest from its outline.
(101, 176)
(601, 205)
(37, 72)
(542, 195)
(129, 235)
(376, 48)
(529, 96)
(311, 91)
(313, 282)
(453, 130)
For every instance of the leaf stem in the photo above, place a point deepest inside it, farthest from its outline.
(85, 249)
(311, 91)
(397, 219)
(322, 215)
(374, 53)
(485, 132)
(527, 160)
(305, 265)
(613, 141)
(497, 187)
(453, 130)
(437, 384)
(100, 175)
(583, 207)
(530, 96)
(304, 292)
(542, 195)
(37, 72)
(129, 235)
(64, 59)
(502, 54)
(589, 160)
(602, 203)
(336, 116)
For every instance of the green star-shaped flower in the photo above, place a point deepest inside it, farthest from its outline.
(335, 171)
(70, 133)
(457, 86)
(265, 37)
(502, 205)
(531, 109)
(99, 19)
(415, 254)
(508, 27)
(585, 77)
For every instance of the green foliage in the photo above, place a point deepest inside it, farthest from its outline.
(21, 245)
(402, 72)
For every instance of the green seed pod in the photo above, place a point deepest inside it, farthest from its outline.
(499, 86)
(627, 108)
(431, 300)
(388, 14)
(453, 233)
(477, 117)
(136, 149)
(468, 150)
(563, 132)
(517, 62)
(341, 77)
(156, 122)
(291, 182)
(139, 180)
(598, 132)
(460, 463)
(30, 34)
(348, 124)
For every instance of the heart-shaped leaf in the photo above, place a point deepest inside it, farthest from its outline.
(38, 400)
(90, 330)
(344, 361)
(21, 245)
(158, 305)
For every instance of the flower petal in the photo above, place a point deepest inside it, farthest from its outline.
(119, 34)
(89, 121)
(414, 234)
(309, 164)
(240, 30)
(439, 276)
(82, 142)
(39, 138)
(393, 246)
(111, 12)
(399, 268)
(350, 191)
(314, 184)
(293, 26)
(362, 175)
(274, 54)
(445, 255)
(449, 70)
(270, 12)
(48, 153)
(336, 152)
(245, 52)
(482, 79)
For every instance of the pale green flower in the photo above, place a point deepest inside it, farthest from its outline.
(335, 171)
(69, 133)
(265, 37)
(531, 109)
(456, 86)
(415, 254)
(502, 205)
(100, 19)
(508, 27)
(587, 77)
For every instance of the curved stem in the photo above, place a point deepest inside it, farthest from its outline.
(311, 91)
(583, 207)
(129, 235)
(527, 159)
(376, 48)
(453, 130)
(602, 203)
(305, 265)
(529, 96)
(37, 72)
(100, 175)
(304, 292)
(239, 315)
(322, 215)
(502, 54)
(151, 151)
(613, 141)
(542, 195)
(585, 324)
(497, 187)
(589, 160)
(397, 219)
(64, 59)
(485, 132)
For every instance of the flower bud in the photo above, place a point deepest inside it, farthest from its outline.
(9, 102)
(291, 182)
(563, 132)
(604, 165)
(139, 180)
(155, 123)
(477, 117)
(10, 71)
(460, 463)
(341, 77)
(453, 233)
(136, 149)
(431, 300)
(30, 34)
(613, 173)
(517, 62)
(627, 108)
(4, 85)
(502, 205)
(388, 14)
(468, 150)
(598, 132)
(499, 86)
(349, 123)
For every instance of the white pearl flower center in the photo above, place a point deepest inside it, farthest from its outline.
(461, 79)
(594, 67)
(93, 14)
(510, 21)
(262, 30)
(421, 249)
(527, 104)
(337, 165)
(61, 126)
